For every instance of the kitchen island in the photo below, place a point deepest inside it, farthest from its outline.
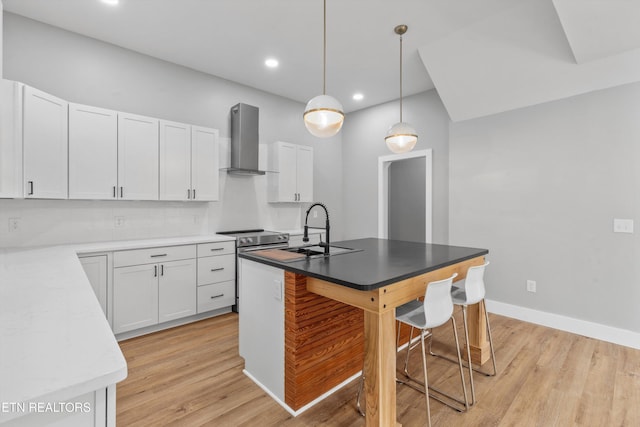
(319, 337)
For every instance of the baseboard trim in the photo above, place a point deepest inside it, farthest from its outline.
(581, 327)
(308, 405)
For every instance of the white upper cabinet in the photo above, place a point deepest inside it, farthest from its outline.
(188, 162)
(175, 161)
(52, 149)
(293, 181)
(93, 152)
(10, 139)
(137, 157)
(44, 145)
(204, 164)
(304, 173)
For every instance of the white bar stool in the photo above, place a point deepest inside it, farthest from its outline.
(434, 311)
(465, 293)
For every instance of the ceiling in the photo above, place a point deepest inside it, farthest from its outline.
(483, 56)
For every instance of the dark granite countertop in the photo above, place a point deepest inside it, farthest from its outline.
(377, 263)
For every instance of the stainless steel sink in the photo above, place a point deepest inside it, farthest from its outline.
(316, 251)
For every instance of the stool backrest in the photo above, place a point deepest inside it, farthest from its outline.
(474, 283)
(438, 306)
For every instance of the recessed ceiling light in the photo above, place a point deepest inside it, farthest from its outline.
(358, 97)
(271, 62)
(110, 2)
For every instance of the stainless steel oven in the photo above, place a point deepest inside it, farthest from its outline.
(252, 240)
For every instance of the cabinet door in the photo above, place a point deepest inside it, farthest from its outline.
(93, 152)
(135, 297)
(204, 163)
(304, 173)
(45, 145)
(177, 289)
(287, 173)
(95, 268)
(137, 157)
(175, 161)
(10, 139)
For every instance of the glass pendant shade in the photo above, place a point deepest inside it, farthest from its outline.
(401, 138)
(323, 116)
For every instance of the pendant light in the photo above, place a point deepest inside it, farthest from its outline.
(401, 137)
(323, 115)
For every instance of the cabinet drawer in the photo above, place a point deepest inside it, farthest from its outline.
(153, 255)
(214, 269)
(216, 248)
(215, 296)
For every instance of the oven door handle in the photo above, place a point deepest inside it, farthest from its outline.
(263, 247)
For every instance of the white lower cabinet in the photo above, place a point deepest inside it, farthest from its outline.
(95, 267)
(217, 295)
(177, 293)
(161, 284)
(145, 295)
(135, 297)
(216, 276)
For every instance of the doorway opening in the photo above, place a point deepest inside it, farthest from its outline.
(400, 200)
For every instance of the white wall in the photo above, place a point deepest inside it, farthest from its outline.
(362, 144)
(88, 71)
(540, 187)
(1, 42)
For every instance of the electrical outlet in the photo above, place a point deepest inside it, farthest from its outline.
(277, 290)
(118, 221)
(622, 225)
(14, 224)
(531, 286)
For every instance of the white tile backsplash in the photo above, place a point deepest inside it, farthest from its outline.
(47, 222)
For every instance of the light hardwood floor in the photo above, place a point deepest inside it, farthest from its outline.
(192, 376)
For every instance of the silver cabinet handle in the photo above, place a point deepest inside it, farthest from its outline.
(114, 191)
(194, 194)
(216, 249)
(188, 194)
(155, 271)
(162, 270)
(217, 269)
(158, 255)
(30, 188)
(217, 296)
(121, 192)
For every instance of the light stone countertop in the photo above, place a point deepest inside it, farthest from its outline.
(55, 341)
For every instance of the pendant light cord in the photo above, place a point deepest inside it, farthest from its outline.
(400, 78)
(324, 52)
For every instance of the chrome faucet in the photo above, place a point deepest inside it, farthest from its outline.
(305, 238)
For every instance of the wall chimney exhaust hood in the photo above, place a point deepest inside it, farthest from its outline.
(244, 140)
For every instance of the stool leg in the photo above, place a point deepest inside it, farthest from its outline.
(464, 386)
(493, 356)
(360, 387)
(406, 360)
(466, 337)
(426, 381)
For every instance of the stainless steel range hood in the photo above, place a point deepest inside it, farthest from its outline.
(244, 140)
